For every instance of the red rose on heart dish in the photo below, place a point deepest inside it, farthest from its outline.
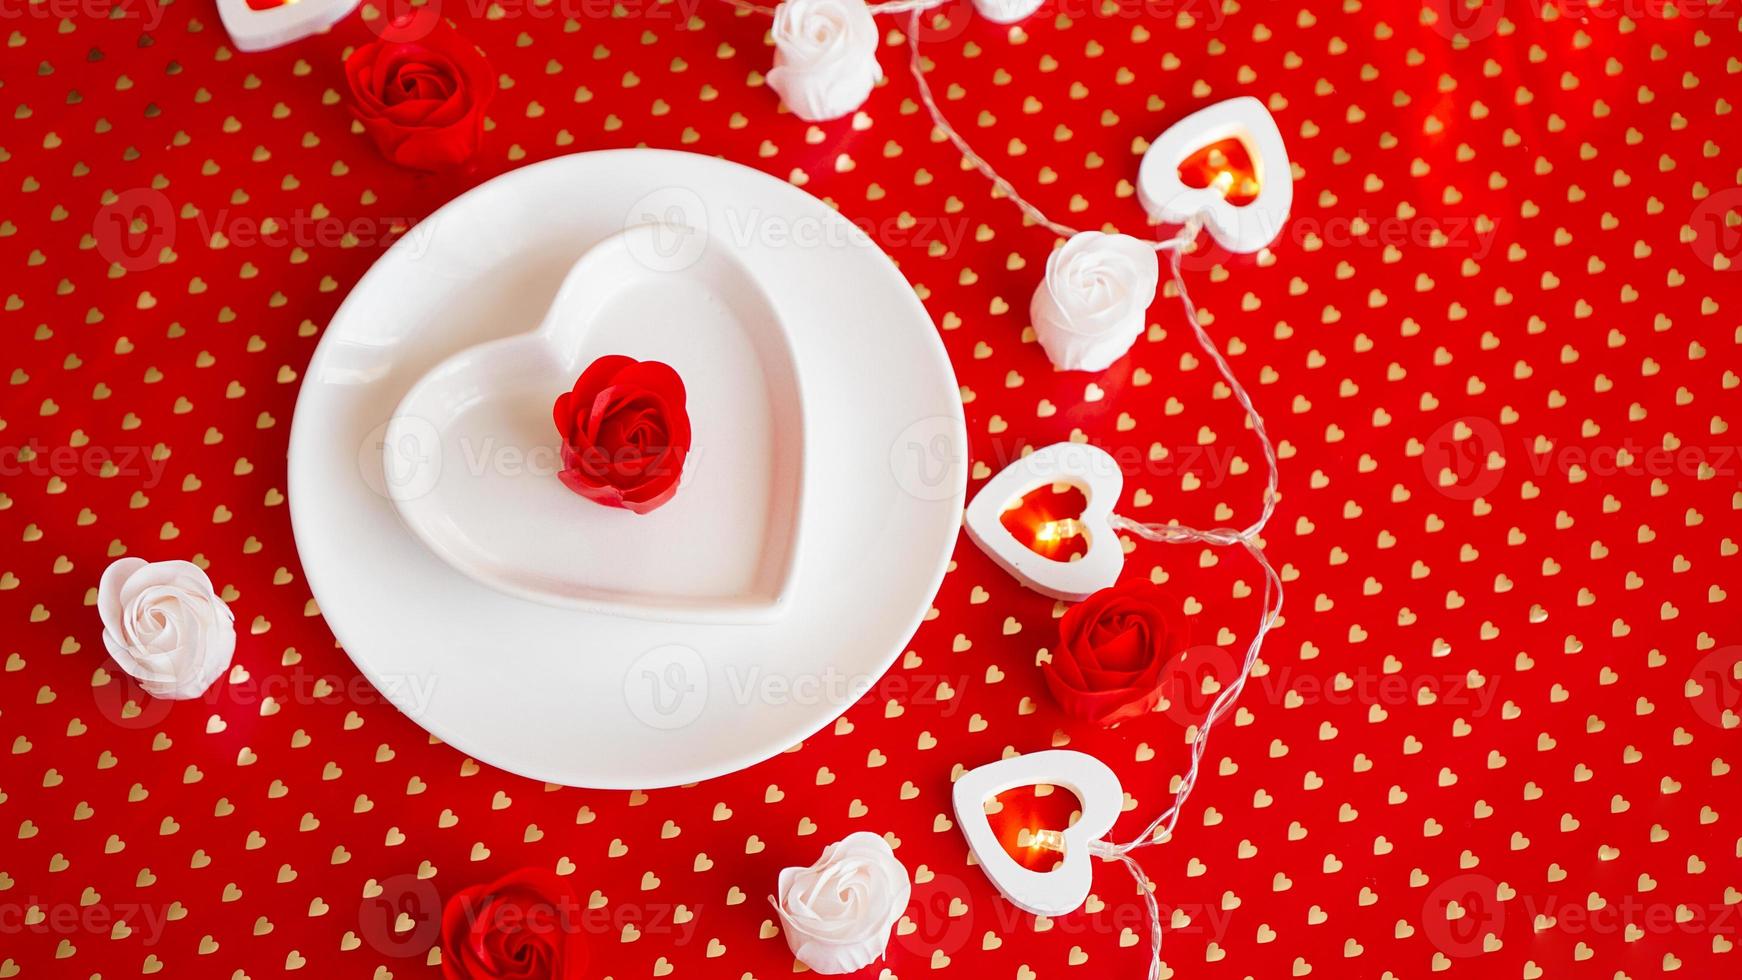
(1112, 650)
(625, 432)
(420, 93)
(526, 926)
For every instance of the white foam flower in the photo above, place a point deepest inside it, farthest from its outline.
(1092, 305)
(164, 625)
(1006, 11)
(825, 57)
(837, 913)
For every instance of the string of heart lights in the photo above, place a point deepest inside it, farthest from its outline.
(811, 39)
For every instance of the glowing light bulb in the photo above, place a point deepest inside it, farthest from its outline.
(1050, 840)
(1053, 531)
(1223, 182)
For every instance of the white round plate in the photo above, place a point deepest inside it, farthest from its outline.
(601, 694)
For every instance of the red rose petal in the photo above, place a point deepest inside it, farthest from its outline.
(526, 925)
(421, 99)
(1113, 648)
(625, 431)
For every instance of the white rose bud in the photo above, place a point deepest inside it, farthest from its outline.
(165, 626)
(1006, 11)
(1093, 303)
(825, 57)
(837, 913)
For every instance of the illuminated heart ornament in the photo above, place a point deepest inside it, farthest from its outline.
(1090, 470)
(1066, 887)
(1169, 200)
(262, 30)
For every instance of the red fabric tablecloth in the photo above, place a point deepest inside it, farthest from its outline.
(1496, 734)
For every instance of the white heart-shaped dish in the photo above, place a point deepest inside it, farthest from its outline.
(1244, 229)
(1083, 466)
(471, 455)
(262, 30)
(1065, 888)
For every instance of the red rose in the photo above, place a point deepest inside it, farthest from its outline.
(1111, 652)
(625, 433)
(420, 93)
(526, 926)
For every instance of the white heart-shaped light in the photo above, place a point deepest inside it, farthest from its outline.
(1065, 888)
(472, 454)
(262, 30)
(1238, 229)
(1087, 468)
(1006, 11)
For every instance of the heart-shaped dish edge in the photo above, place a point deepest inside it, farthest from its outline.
(409, 427)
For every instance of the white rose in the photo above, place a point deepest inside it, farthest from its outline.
(165, 626)
(1093, 303)
(825, 57)
(837, 913)
(1006, 11)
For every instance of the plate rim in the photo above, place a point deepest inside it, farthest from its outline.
(299, 438)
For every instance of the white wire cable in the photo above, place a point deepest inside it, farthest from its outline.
(1161, 828)
(1034, 213)
(1111, 852)
(1248, 538)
